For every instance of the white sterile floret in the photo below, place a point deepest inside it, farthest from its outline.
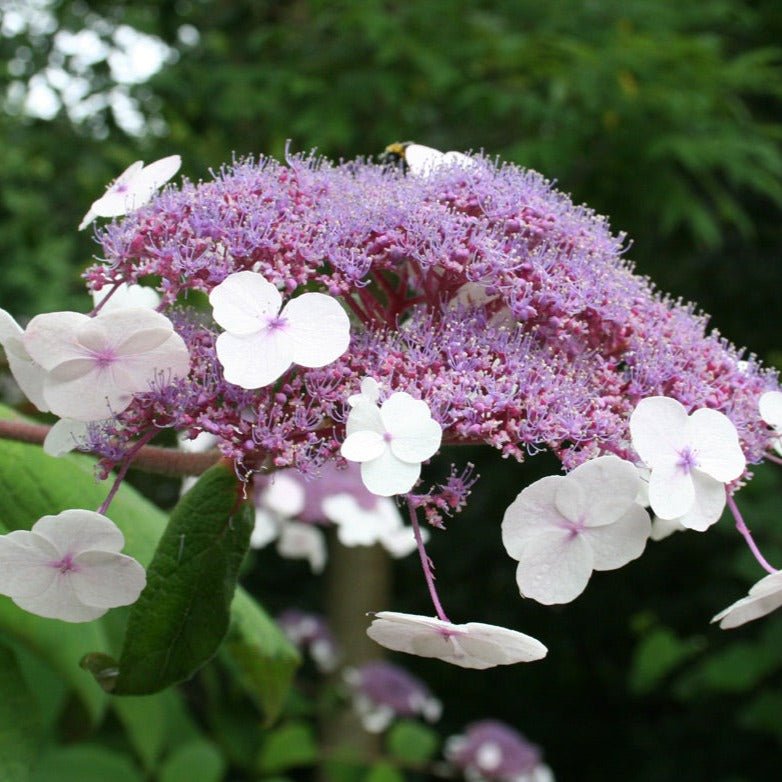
(132, 188)
(126, 296)
(261, 341)
(65, 435)
(770, 406)
(391, 441)
(423, 161)
(28, 374)
(359, 526)
(561, 528)
(471, 645)
(94, 365)
(763, 598)
(691, 457)
(370, 392)
(69, 567)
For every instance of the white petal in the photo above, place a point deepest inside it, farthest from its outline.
(610, 486)
(90, 396)
(358, 526)
(59, 601)
(386, 475)
(50, 339)
(657, 428)
(153, 177)
(284, 496)
(318, 327)
(763, 598)
(128, 330)
(105, 579)
(554, 567)
(303, 541)
(256, 360)
(25, 564)
(671, 491)
(364, 415)
(614, 545)
(415, 435)
(709, 503)
(532, 511)
(500, 646)
(27, 373)
(243, 302)
(770, 406)
(363, 446)
(112, 203)
(266, 528)
(76, 531)
(65, 435)
(716, 445)
(663, 528)
(126, 296)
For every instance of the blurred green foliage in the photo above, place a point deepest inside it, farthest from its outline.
(664, 116)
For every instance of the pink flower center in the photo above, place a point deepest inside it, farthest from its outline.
(105, 357)
(65, 565)
(277, 323)
(687, 460)
(387, 437)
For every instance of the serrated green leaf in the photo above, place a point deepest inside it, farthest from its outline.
(412, 742)
(288, 746)
(19, 721)
(182, 615)
(197, 760)
(264, 659)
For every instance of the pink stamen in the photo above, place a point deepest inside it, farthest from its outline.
(65, 565)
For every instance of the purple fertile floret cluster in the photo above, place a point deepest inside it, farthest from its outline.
(480, 289)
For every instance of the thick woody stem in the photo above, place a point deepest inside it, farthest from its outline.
(150, 458)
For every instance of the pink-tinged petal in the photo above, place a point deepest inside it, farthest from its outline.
(105, 579)
(386, 475)
(363, 446)
(25, 564)
(9, 328)
(64, 436)
(716, 445)
(87, 397)
(28, 375)
(770, 406)
(319, 329)
(532, 511)
(657, 428)
(569, 501)
(763, 598)
(415, 435)
(671, 491)
(75, 531)
(709, 503)
(609, 484)
(256, 360)
(554, 567)
(303, 541)
(50, 339)
(244, 302)
(59, 601)
(128, 331)
(614, 545)
(364, 416)
(499, 645)
(134, 373)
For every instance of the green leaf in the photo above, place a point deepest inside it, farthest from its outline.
(657, 654)
(412, 742)
(384, 772)
(19, 721)
(182, 615)
(262, 657)
(198, 761)
(290, 745)
(85, 763)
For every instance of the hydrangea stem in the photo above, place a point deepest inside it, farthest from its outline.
(747, 535)
(126, 462)
(426, 563)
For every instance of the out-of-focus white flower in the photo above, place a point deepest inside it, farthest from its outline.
(770, 406)
(763, 598)
(69, 567)
(126, 296)
(471, 645)
(132, 188)
(260, 341)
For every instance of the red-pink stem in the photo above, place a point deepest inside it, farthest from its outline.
(747, 535)
(426, 563)
(126, 462)
(771, 458)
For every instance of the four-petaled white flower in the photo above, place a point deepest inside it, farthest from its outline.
(424, 161)
(770, 405)
(690, 458)
(471, 645)
(28, 374)
(391, 441)
(94, 365)
(69, 567)
(763, 598)
(561, 528)
(261, 341)
(132, 188)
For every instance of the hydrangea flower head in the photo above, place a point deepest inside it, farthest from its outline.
(690, 457)
(69, 567)
(560, 529)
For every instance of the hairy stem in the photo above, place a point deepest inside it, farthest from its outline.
(426, 563)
